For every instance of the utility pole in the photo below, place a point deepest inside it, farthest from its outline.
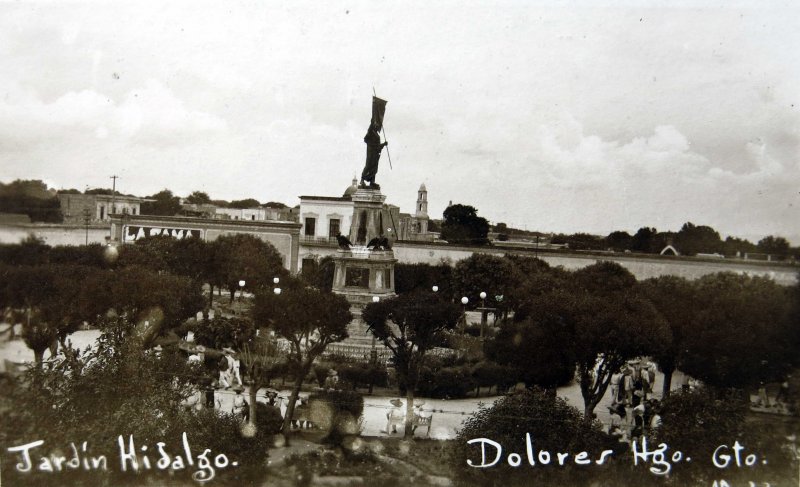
(113, 205)
(86, 219)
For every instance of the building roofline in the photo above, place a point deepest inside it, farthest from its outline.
(327, 198)
(212, 221)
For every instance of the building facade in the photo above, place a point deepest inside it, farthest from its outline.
(93, 208)
(284, 236)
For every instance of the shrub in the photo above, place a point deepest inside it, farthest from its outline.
(364, 374)
(223, 332)
(697, 422)
(554, 426)
(117, 388)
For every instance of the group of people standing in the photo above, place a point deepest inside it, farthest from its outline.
(633, 413)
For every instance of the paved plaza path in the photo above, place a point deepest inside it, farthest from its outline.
(448, 415)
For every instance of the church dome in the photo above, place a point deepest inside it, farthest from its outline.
(351, 189)
(422, 187)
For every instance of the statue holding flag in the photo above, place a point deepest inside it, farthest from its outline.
(374, 144)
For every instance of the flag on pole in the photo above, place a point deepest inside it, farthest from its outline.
(378, 109)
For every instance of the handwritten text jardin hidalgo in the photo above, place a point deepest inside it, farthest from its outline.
(131, 459)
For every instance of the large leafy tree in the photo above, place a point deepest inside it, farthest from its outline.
(410, 325)
(261, 357)
(463, 225)
(30, 251)
(778, 246)
(535, 350)
(693, 239)
(198, 198)
(613, 324)
(224, 332)
(483, 273)
(741, 333)
(32, 198)
(143, 302)
(619, 241)
(49, 301)
(411, 277)
(245, 203)
(309, 320)
(645, 240)
(675, 298)
(530, 277)
(165, 203)
(244, 257)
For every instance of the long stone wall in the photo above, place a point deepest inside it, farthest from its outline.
(641, 266)
(54, 234)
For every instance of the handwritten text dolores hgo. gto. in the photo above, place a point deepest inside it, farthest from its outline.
(660, 459)
(131, 458)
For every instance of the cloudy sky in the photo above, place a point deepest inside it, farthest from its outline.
(551, 116)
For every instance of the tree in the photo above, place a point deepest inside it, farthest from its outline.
(411, 277)
(245, 203)
(537, 349)
(244, 257)
(613, 324)
(675, 298)
(463, 225)
(144, 302)
(49, 301)
(260, 358)
(31, 251)
(32, 198)
(198, 198)
(409, 325)
(740, 334)
(483, 273)
(645, 240)
(165, 204)
(619, 241)
(118, 387)
(224, 332)
(733, 246)
(275, 204)
(695, 422)
(581, 241)
(310, 320)
(693, 239)
(772, 245)
(531, 277)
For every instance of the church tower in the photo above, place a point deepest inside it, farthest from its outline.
(421, 213)
(422, 202)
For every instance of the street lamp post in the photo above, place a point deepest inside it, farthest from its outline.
(464, 301)
(241, 288)
(484, 312)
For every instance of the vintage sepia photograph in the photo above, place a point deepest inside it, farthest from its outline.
(401, 243)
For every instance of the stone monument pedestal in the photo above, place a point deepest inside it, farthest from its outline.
(361, 275)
